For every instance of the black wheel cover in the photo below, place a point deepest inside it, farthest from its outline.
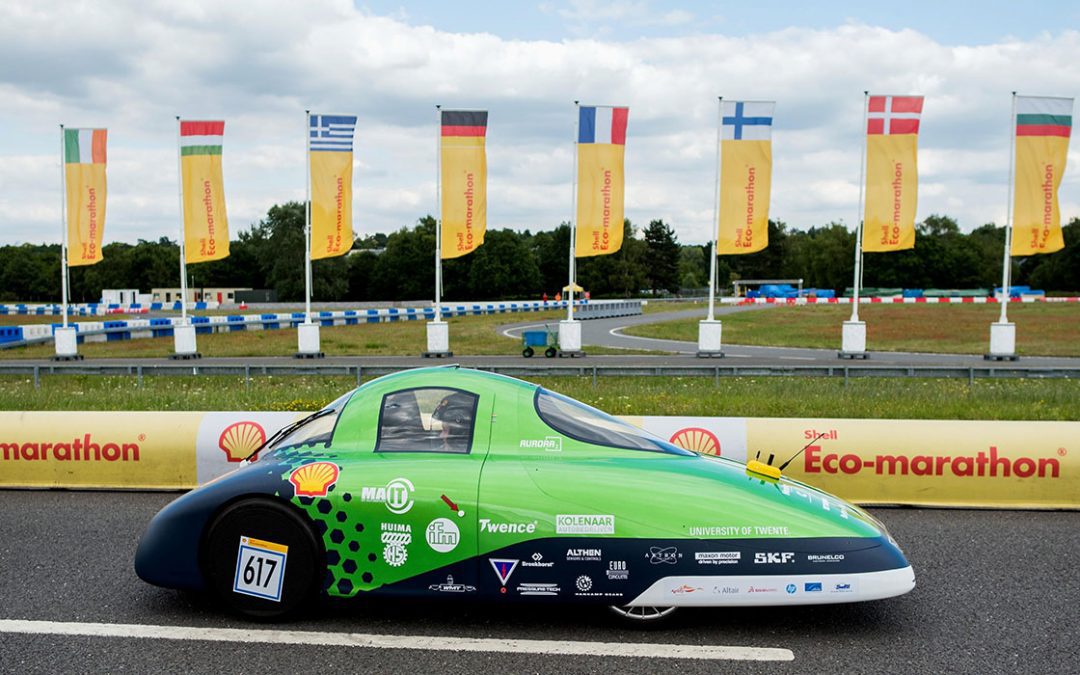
(270, 521)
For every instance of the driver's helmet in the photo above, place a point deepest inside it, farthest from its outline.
(455, 412)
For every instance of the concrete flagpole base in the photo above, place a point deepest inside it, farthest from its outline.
(307, 338)
(184, 342)
(570, 339)
(438, 340)
(1002, 342)
(708, 343)
(853, 340)
(66, 341)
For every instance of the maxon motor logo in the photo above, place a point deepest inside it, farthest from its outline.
(987, 464)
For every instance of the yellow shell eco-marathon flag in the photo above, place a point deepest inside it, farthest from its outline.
(206, 229)
(745, 176)
(1043, 126)
(601, 146)
(331, 144)
(892, 175)
(84, 174)
(463, 163)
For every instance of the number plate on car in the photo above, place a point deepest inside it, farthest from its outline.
(260, 568)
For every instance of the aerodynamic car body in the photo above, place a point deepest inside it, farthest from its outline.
(449, 482)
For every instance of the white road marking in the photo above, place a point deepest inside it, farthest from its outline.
(419, 642)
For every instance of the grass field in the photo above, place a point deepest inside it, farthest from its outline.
(1042, 329)
(884, 398)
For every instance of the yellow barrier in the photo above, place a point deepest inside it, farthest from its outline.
(917, 462)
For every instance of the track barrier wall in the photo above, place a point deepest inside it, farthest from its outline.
(913, 462)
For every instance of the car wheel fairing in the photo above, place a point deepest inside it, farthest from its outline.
(642, 615)
(262, 560)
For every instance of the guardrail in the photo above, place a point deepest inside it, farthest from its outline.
(361, 370)
(128, 329)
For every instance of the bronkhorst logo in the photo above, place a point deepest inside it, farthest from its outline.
(984, 464)
(84, 449)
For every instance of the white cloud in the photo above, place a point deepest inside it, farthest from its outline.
(133, 66)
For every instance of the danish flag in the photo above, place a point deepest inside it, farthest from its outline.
(893, 114)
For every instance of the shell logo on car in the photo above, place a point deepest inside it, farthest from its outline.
(697, 439)
(240, 439)
(315, 479)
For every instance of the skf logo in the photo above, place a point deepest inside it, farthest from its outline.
(240, 439)
(773, 558)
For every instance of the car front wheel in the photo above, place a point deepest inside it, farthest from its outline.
(262, 560)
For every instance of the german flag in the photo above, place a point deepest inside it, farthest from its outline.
(464, 181)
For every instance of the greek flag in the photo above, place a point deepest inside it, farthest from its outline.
(332, 133)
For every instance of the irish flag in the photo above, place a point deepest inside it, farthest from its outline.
(84, 174)
(1043, 126)
(206, 228)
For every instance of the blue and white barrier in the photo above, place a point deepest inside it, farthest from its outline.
(128, 329)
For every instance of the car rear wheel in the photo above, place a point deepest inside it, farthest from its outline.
(262, 560)
(643, 616)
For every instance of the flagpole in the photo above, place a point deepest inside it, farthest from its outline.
(63, 229)
(1008, 219)
(859, 219)
(307, 220)
(573, 216)
(716, 209)
(180, 194)
(439, 210)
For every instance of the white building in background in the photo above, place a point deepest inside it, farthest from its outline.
(124, 296)
(222, 296)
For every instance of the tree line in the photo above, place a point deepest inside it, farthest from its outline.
(510, 264)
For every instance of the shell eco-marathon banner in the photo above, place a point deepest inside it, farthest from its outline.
(916, 462)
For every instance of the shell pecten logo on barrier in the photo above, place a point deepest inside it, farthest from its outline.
(87, 449)
(240, 439)
(930, 462)
(697, 440)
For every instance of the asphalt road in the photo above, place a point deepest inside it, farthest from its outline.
(997, 592)
(609, 333)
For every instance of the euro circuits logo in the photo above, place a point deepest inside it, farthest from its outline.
(985, 464)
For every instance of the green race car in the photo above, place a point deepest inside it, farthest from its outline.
(449, 482)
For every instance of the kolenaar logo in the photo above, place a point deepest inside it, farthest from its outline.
(397, 495)
(584, 524)
(241, 439)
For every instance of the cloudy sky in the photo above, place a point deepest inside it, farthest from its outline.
(133, 66)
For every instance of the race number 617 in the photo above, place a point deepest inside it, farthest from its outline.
(260, 568)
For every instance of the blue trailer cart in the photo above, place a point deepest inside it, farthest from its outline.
(540, 338)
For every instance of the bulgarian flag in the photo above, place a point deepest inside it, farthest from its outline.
(206, 228)
(1043, 127)
(463, 176)
(84, 176)
(892, 172)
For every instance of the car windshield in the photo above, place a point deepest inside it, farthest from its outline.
(316, 428)
(585, 423)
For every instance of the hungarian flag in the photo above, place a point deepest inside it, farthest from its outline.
(463, 176)
(330, 160)
(601, 146)
(745, 176)
(1043, 126)
(892, 176)
(206, 229)
(84, 176)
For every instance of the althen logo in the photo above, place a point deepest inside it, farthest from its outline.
(241, 439)
(982, 464)
(83, 449)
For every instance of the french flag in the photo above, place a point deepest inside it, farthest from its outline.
(602, 124)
